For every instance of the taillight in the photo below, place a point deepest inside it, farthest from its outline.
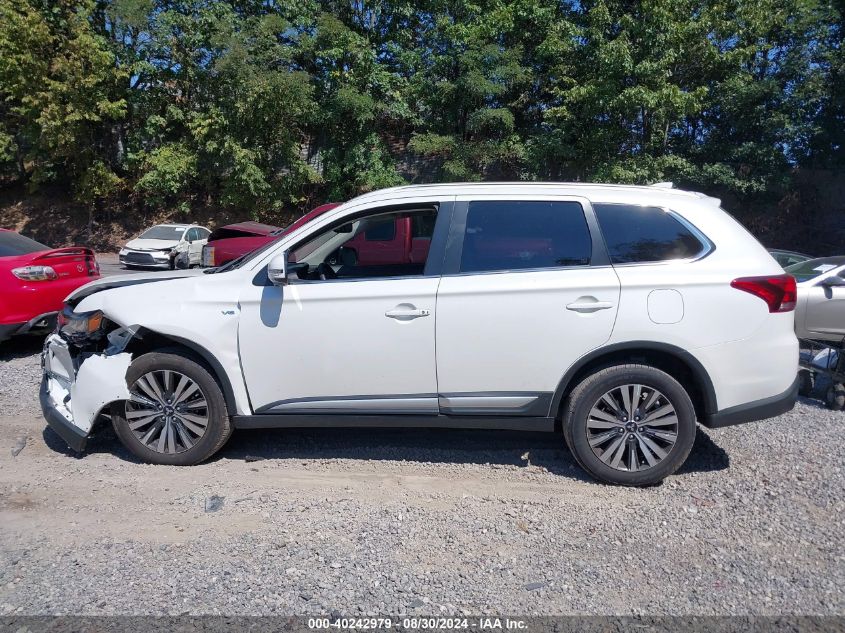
(35, 273)
(93, 267)
(208, 256)
(778, 291)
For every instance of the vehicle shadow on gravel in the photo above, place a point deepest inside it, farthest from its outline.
(21, 347)
(433, 446)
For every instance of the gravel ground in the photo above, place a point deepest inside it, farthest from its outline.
(418, 521)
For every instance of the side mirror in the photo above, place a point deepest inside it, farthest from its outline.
(277, 269)
(833, 282)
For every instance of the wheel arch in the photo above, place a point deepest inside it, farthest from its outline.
(675, 361)
(151, 341)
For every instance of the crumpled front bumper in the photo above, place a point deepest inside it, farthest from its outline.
(75, 437)
(145, 259)
(76, 388)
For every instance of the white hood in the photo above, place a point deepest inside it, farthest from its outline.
(117, 281)
(139, 244)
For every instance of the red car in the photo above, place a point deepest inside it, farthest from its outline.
(35, 279)
(233, 240)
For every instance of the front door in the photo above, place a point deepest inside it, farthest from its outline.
(526, 291)
(343, 336)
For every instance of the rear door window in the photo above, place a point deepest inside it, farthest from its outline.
(639, 234)
(381, 230)
(12, 244)
(524, 234)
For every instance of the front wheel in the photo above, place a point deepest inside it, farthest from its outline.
(176, 413)
(632, 425)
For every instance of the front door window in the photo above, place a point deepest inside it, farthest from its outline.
(393, 244)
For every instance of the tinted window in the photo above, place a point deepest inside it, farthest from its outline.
(644, 234)
(15, 244)
(423, 225)
(525, 234)
(789, 260)
(380, 230)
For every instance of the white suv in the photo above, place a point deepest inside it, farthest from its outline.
(619, 315)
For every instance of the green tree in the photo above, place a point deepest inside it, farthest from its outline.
(60, 91)
(261, 106)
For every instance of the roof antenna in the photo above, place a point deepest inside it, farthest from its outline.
(662, 185)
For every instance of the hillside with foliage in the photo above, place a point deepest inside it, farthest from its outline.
(264, 107)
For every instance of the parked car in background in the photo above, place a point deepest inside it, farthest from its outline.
(619, 315)
(788, 258)
(820, 313)
(158, 247)
(233, 240)
(35, 279)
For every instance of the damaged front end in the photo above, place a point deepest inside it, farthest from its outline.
(84, 367)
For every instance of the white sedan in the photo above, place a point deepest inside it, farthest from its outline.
(820, 313)
(159, 246)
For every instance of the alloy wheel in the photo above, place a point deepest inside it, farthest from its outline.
(632, 427)
(167, 411)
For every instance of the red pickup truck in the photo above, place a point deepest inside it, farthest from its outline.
(393, 241)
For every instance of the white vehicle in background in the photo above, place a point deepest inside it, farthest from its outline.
(160, 245)
(820, 314)
(820, 324)
(618, 315)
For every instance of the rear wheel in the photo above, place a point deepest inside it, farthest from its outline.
(176, 413)
(835, 397)
(629, 424)
(806, 382)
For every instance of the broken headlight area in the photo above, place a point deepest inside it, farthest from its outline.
(84, 329)
(92, 331)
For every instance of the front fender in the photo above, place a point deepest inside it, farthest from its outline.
(200, 312)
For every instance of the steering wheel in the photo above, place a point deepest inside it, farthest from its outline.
(324, 271)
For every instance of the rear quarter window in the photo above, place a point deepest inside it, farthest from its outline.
(12, 244)
(639, 234)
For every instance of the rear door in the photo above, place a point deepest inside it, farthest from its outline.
(527, 289)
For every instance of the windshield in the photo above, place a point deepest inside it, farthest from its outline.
(805, 271)
(162, 232)
(12, 244)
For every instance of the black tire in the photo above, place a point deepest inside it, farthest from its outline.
(181, 261)
(835, 397)
(218, 428)
(586, 395)
(806, 382)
